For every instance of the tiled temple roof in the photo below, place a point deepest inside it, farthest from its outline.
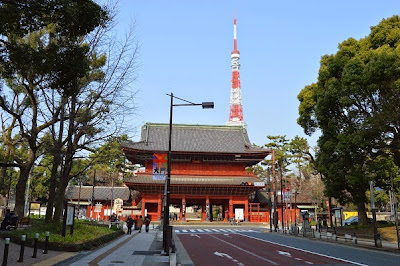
(195, 180)
(195, 138)
(100, 193)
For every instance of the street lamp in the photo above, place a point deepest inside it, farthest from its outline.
(204, 105)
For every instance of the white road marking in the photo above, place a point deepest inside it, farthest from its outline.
(176, 231)
(185, 231)
(227, 256)
(223, 230)
(297, 259)
(207, 230)
(307, 251)
(195, 235)
(284, 253)
(215, 230)
(308, 262)
(191, 230)
(244, 250)
(200, 230)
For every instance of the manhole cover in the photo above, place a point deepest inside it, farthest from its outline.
(146, 252)
(117, 261)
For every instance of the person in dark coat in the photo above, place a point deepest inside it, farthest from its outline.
(147, 221)
(6, 220)
(129, 224)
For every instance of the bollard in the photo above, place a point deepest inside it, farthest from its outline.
(35, 245)
(5, 257)
(46, 243)
(21, 252)
(378, 241)
(354, 239)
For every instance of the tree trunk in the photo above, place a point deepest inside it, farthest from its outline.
(21, 185)
(362, 215)
(52, 189)
(3, 173)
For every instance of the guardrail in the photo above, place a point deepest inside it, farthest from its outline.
(331, 235)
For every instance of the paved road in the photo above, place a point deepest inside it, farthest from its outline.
(233, 246)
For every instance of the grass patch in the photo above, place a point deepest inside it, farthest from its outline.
(386, 230)
(83, 231)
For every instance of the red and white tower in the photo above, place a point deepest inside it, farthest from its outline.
(236, 111)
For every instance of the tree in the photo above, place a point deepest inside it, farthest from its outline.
(41, 52)
(355, 105)
(98, 110)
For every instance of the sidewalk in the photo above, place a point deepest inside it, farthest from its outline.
(361, 242)
(42, 259)
(136, 249)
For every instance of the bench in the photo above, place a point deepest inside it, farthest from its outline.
(24, 221)
(21, 222)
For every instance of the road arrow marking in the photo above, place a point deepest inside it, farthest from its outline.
(284, 253)
(220, 254)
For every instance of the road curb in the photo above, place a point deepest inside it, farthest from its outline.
(182, 257)
(342, 243)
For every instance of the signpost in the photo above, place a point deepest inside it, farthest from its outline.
(160, 166)
(69, 215)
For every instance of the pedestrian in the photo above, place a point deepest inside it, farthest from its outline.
(113, 218)
(135, 223)
(140, 223)
(319, 225)
(6, 220)
(129, 224)
(147, 221)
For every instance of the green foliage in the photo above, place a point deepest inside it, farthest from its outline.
(355, 106)
(83, 231)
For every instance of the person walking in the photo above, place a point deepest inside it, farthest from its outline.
(140, 223)
(147, 221)
(129, 224)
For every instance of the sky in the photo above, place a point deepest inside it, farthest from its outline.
(185, 49)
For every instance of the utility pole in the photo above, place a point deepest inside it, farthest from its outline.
(92, 203)
(274, 187)
(280, 169)
(371, 189)
(395, 209)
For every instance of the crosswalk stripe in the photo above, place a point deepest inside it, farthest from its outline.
(207, 230)
(230, 230)
(185, 231)
(223, 230)
(176, 231)
(215, 230)
(200, 230)
(191, 230)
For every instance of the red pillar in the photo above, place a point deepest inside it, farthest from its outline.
(208, 209)
(226, 212)
(143, 205)
(246, 210)
(159, 207)
(183, 209)
(231, 216)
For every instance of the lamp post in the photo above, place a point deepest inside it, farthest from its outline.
(204, 105)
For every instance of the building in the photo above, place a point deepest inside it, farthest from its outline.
(107, 200)
(208, 164)
(208, 169)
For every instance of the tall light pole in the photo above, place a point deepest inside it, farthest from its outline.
(204, 105)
